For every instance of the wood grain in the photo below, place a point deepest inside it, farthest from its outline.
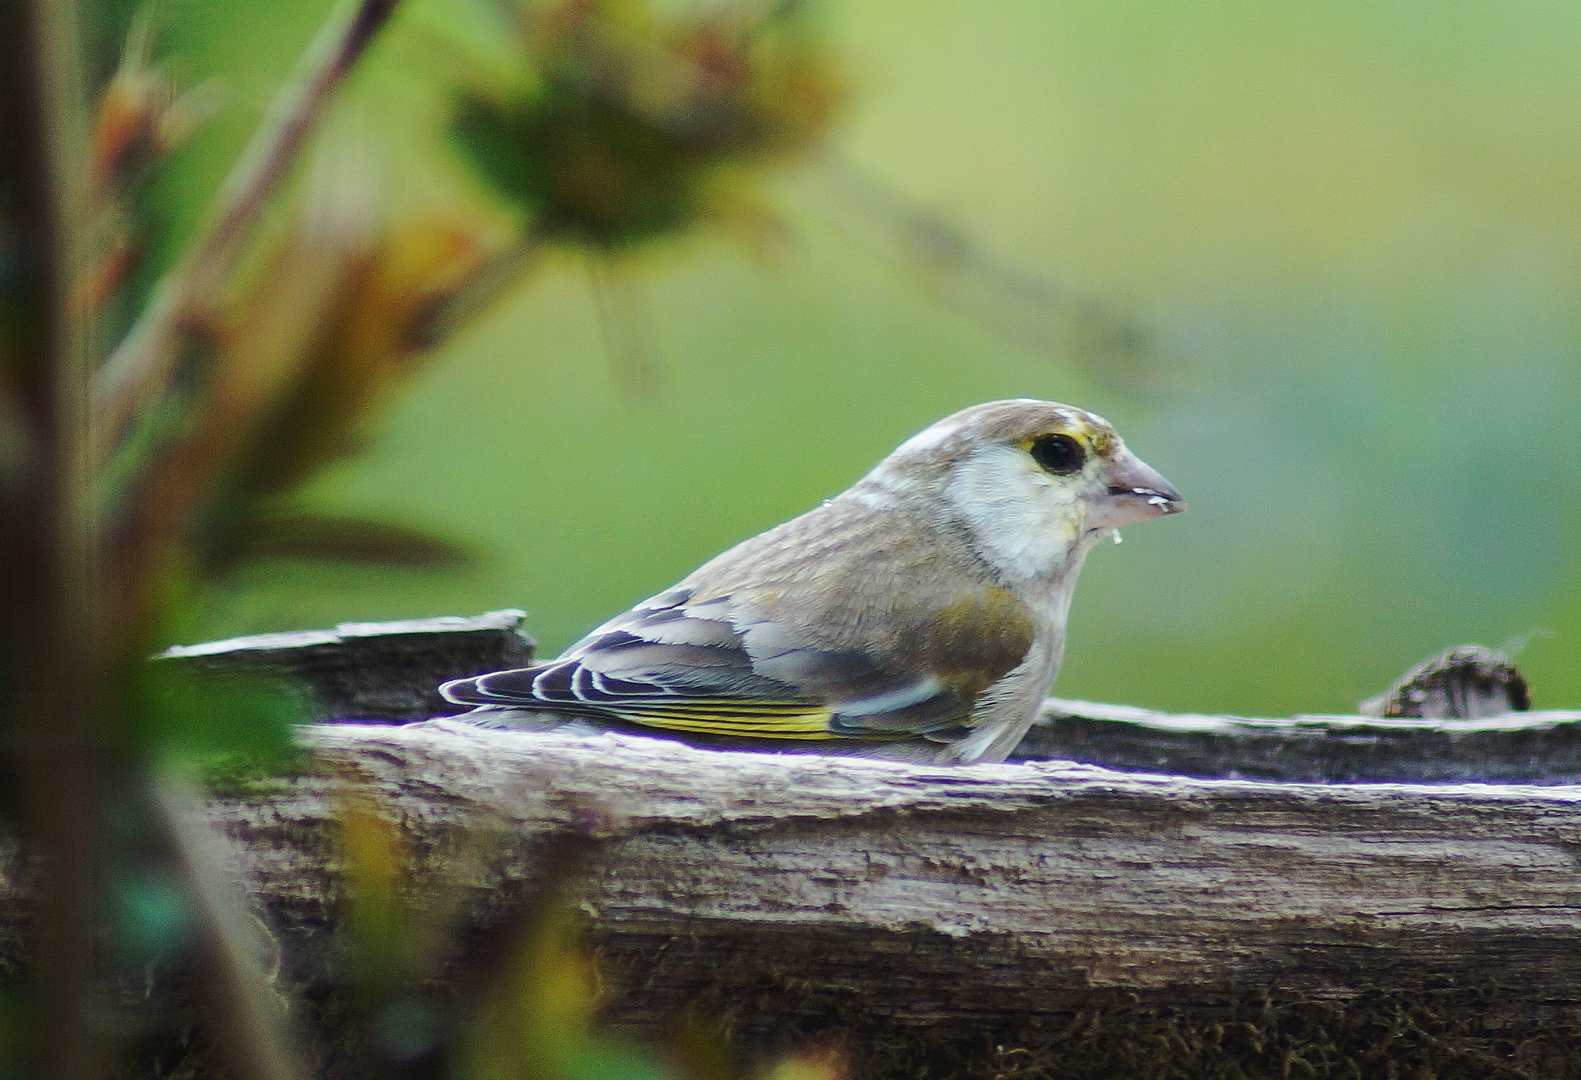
(925, 893)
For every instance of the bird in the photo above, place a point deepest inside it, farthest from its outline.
(925, 605)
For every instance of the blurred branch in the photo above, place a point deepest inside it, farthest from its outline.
(962, 272)
(249, 1022)
(139, 370)
(504, 271)
(337, 538)
(627, 326)
(182, 493)
(50, 601)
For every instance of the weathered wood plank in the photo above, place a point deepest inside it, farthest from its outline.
(986, 893)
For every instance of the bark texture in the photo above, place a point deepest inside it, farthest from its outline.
(1200, 896)
(1522, 747)
(372, 671)
(799, 889)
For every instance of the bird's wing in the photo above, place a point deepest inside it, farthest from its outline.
(711, 668)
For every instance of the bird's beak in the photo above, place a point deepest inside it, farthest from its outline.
(1136, 492)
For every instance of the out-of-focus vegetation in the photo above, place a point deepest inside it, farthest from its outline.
(556, 300)
(159, 413)
(1351, 232)
(525, 1000)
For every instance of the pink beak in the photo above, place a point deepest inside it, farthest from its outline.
(1136, 492)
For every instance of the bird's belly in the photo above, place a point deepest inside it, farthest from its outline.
(1007, 708)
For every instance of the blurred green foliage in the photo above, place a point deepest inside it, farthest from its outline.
(146, 472)
(185, 718)
(524, 1003)
(1351, 229)
(621, 125)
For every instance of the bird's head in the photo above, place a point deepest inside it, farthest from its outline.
(1032, 483)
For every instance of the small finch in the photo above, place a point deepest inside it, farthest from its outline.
(926, 604)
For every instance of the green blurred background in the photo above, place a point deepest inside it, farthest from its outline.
(1353, 230)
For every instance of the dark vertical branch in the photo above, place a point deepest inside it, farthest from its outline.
(54, 657)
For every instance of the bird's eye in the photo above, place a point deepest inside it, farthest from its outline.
(1059, 454)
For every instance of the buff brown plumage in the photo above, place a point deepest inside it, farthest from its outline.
(925, 604)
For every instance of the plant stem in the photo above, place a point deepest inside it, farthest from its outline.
(54, 635)
(139, 370)
(247, 1018)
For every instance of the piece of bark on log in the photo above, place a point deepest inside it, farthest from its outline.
(387, 671)
(1523, 747)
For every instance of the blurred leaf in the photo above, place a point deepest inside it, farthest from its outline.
(150, 910)
(142, 117)
(495, 140)
(142, 114)
(586, 173)
(375, 858)
(812, 1065)
(189, 492)
(626, 123)
(177, 713)
(635, 117)
(533, 1019)
(525, 998)
(365, 335)
(537, 1018)
(292, 371)
(701, 1050)
(344, 539)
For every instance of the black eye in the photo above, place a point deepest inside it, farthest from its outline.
(1059, 454)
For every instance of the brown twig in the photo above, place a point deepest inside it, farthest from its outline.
(503, 272)
(140, 368)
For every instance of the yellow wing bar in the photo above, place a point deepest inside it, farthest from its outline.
(733, 717)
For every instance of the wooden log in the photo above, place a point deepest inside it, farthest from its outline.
(984, 896)
(1191, 874)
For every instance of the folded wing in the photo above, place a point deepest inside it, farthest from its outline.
(712, 668)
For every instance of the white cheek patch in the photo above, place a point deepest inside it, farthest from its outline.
(1022, 521)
